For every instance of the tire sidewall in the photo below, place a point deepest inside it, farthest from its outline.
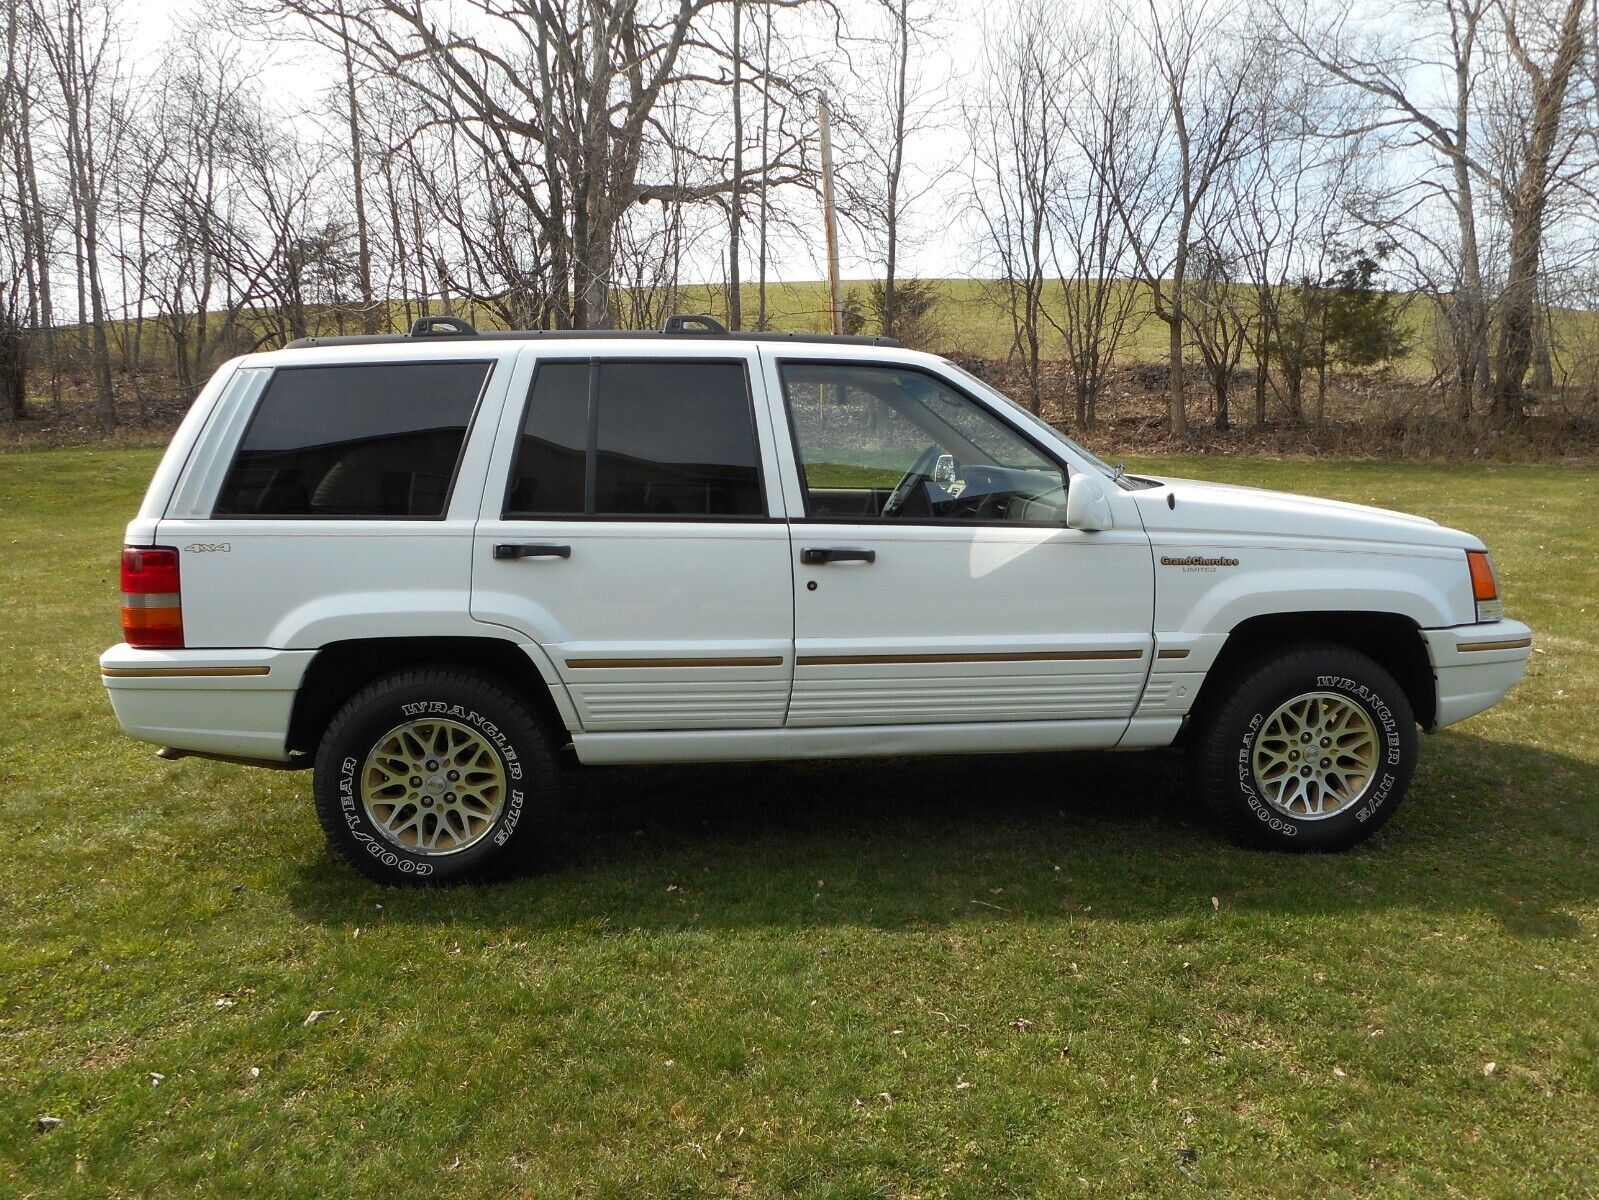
(368, 719)
(1382, 700)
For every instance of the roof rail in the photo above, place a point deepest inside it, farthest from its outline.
(679, 325)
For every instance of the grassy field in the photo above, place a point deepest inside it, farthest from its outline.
(1036, 976)
(971, 319)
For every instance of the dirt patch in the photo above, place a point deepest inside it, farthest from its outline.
(147, 413)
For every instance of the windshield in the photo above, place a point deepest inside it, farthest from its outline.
(1033, 419)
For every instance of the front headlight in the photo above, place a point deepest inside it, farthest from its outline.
(1485, 586)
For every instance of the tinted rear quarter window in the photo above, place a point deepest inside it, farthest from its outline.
(667, 438)
(377, 440)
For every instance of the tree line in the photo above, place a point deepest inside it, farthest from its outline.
(1271, 182)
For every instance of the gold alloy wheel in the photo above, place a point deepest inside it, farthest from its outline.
(433, 786)
(1316, 755)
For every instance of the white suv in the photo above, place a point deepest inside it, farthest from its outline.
(426, 564)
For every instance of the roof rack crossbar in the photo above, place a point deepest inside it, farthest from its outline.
(698, 323)
(442, 327)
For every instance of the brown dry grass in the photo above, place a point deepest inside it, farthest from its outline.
(1366, 418)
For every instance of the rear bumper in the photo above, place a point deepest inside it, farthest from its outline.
(1475, 665)
(231, 702)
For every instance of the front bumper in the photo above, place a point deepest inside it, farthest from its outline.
(228, 702)
(1475, 665)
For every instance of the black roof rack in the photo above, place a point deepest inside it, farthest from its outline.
(680, 325)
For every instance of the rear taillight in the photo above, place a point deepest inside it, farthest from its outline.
(152, 606)
(1485, 586)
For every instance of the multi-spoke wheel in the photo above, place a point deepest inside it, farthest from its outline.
(1316, 755)
(1311, 750)
(434, 786)
(431, 776)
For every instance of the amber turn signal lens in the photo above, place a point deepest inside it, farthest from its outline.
(1483, 584)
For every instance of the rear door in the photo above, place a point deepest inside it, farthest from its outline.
(631, 526)
(936, 578)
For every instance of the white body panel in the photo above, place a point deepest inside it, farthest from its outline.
(677, 640)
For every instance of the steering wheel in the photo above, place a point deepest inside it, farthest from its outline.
(920, 470)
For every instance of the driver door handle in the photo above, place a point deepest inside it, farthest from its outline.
(817, 555)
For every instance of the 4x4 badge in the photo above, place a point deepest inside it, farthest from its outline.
(209, 548)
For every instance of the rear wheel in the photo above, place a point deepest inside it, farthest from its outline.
(1310, 750)
(434, 776)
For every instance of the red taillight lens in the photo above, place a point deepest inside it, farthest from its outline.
(152, 603)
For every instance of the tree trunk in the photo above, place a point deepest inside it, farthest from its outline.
(1260, 381)
(896, 162)
(1543, 362)
(1519, 304)
(1177, 409)
(735, 207)
(363, 238)
(1179, 406)
(766, 133)
(14, 367)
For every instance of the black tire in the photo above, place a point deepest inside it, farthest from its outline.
(1225, 742)
(508, 834)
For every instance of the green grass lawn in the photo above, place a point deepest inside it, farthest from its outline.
(1037, 976)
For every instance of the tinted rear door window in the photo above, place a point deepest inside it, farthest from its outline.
(551, 463)
(663, 439)
(380, 440)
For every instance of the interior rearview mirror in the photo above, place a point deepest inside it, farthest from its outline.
(1087, 506)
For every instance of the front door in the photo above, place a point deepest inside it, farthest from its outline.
(936, 580)
(627, 529)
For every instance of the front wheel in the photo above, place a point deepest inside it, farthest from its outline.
(433, 776)
(1310, 750)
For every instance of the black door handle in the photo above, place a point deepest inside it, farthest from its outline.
(531, 550)
(829, 555)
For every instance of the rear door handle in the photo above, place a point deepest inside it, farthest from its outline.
(826, 554)
(531, 550)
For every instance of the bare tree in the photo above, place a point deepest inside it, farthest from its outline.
(578, 81)
(1088, 243)
(1442, 41)
(1018, 152)
(910, 106)
(1547, 54)
(78, 41)
(1199, 131)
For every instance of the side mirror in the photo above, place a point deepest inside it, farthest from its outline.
(1087, 506)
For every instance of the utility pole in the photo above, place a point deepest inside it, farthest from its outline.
(834, 301)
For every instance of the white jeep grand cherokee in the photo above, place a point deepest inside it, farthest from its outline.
(425, 564)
